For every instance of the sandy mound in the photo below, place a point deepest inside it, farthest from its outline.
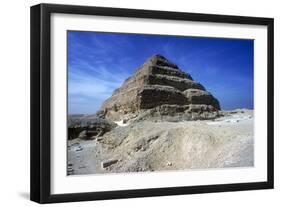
(162, 145)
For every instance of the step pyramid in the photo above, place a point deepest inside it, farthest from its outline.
(160, 86)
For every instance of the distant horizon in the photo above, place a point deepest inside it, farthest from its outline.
(98, 63)
(71, 114)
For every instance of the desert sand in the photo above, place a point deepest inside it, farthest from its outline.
(152, 145)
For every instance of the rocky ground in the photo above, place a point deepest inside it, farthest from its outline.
(153, 145)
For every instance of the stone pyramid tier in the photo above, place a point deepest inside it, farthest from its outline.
(160, 87)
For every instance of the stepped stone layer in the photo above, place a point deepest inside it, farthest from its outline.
(159, 82)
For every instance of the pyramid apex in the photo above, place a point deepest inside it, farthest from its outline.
(158, 56)
(160, 60)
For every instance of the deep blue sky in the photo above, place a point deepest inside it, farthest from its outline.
(98, 63)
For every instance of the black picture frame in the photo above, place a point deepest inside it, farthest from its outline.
(41, 95)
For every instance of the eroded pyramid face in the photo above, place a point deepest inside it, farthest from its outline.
(159, 86)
